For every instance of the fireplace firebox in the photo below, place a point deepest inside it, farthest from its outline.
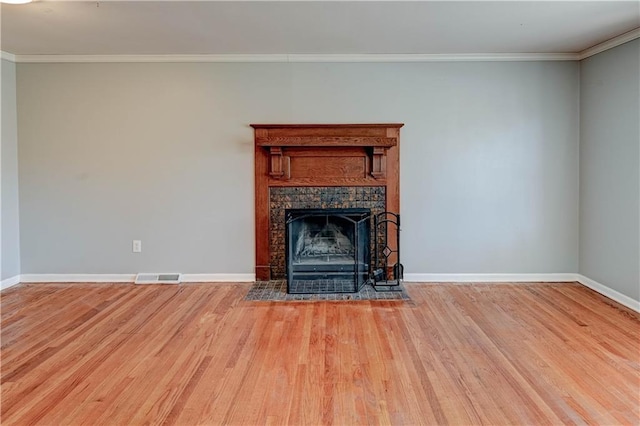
(327, 250)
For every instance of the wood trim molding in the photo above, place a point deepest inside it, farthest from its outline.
(129, 278)
(323, 141)
(610, 44)
(7, 56)
(609, 292)
(328, 127)
(293, 58)
(489, 278)
(10, 282)
(525, 278)
(299, 155)
(77, 278)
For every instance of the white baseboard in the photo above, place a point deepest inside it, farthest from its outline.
(128, 278)
(610, 293)
(9, 282)
(409, 278)
(487, 278)
(497, 278)
(218, 278)
(77, 278)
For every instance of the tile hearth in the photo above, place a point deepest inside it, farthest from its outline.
(276, 290)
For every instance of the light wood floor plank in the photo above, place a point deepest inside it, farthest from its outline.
(199, 354)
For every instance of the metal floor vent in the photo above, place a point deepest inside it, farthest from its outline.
(172, 278)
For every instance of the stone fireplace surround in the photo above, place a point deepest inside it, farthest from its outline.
(314, 197)
(319, 166)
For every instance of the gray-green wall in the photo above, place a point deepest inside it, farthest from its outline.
(164, 153)
(10, 265)
(610, 169)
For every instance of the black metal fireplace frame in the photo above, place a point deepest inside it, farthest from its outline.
(364, 217)
(387, 275)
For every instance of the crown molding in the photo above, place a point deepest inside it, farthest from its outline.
(7, 56)
(148, 58)
(436, 57)
(302, 58)
(610, 44)
(336, 58)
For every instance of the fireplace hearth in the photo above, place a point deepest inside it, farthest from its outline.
(327, 250)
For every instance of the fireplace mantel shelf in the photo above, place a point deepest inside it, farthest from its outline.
(328, 126)
(278, 138)
(328, 141)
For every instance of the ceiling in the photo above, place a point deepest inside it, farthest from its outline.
(309, 27)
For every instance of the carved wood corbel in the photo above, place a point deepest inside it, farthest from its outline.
(276, 170)
(379, 162)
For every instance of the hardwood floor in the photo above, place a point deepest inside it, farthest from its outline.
(198, 354)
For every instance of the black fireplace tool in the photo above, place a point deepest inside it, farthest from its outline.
(388, 272)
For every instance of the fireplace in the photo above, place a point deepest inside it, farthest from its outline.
(282, 200)
(309, 173)
(327, 250)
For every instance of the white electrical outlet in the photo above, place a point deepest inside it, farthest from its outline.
(137, 246)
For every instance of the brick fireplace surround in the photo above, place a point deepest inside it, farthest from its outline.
(319, 166)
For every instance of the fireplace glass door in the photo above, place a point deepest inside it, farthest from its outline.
(327, 250)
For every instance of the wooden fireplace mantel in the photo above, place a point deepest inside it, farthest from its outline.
(299, 155)
(282, 139)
